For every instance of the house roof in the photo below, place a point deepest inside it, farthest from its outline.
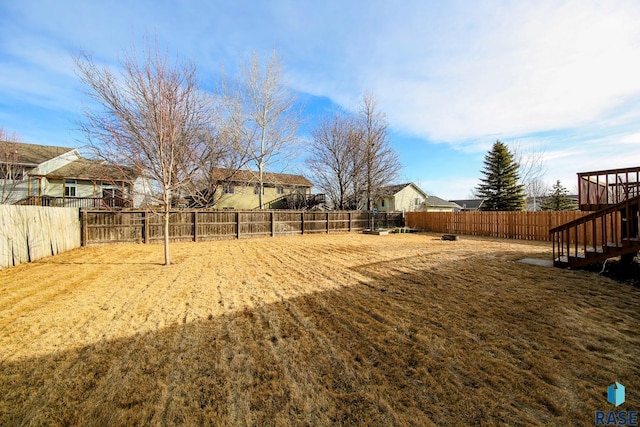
(93, 170)
(29, 154)
(468, 203)
(396, 188)
(438, 202)
(246, 176)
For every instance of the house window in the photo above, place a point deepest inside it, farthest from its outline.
(227, 188)
(382, 203)
(417, 201)
(111, 193)
(70, 188)
(280, 190)
(256, 189)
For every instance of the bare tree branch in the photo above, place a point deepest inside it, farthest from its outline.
(11, 174)
(262, 116)
(381, 164)
(333, 151)
(531, 168)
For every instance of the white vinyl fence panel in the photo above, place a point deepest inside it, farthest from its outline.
(28, 233)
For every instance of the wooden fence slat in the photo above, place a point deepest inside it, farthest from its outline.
(143, 226)
(28, 233)
(508, 225)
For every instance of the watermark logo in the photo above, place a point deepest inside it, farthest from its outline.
(615, 394)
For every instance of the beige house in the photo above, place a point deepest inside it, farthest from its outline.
(402, 197)
(60, 176)
(410, 198)
(241, 189)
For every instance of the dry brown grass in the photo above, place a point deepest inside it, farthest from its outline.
(313, 330)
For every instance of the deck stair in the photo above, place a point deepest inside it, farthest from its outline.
(610, 231)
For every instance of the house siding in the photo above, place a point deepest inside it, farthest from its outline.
(438, 209)
(244, 197)
(403, 200)
(49, 166)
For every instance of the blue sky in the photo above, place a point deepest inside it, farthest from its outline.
(452, 76)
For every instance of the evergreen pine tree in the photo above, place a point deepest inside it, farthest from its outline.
(499, 188)
(558, 200)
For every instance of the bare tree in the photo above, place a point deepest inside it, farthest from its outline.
(152, 117)
(262, 111)
(11, 173)
(380, 162)
(536, 190)
(531, 168)
(224, 154)
(333, 158)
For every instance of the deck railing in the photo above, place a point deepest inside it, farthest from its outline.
(77, 202)
(597, 190)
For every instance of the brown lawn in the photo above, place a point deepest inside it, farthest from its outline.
(314, 330)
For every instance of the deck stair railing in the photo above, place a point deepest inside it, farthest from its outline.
(609, 232)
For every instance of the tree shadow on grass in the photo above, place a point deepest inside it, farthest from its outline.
(469, 342)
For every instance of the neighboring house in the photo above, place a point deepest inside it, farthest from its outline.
(436, 204)
(410, 198)
(240, 190)
(60, 176)
(468, 205)
(401, 197)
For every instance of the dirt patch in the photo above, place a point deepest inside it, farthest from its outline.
(623, 272)
(313, 330)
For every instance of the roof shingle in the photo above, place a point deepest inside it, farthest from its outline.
(246, 176)
(29, 154)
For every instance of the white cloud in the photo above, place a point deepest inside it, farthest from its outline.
(451, 73)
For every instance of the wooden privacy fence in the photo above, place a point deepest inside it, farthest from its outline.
(193, 225)
(508, 225)
(28, 233)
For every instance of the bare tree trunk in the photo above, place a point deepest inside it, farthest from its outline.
(167, 260)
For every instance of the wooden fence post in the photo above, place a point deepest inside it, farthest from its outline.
(349, 221)
(237, 225)
(145, 226)
(273, 226)
(85, 229)
(302, 222)
(195, 226)
(327, 222)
